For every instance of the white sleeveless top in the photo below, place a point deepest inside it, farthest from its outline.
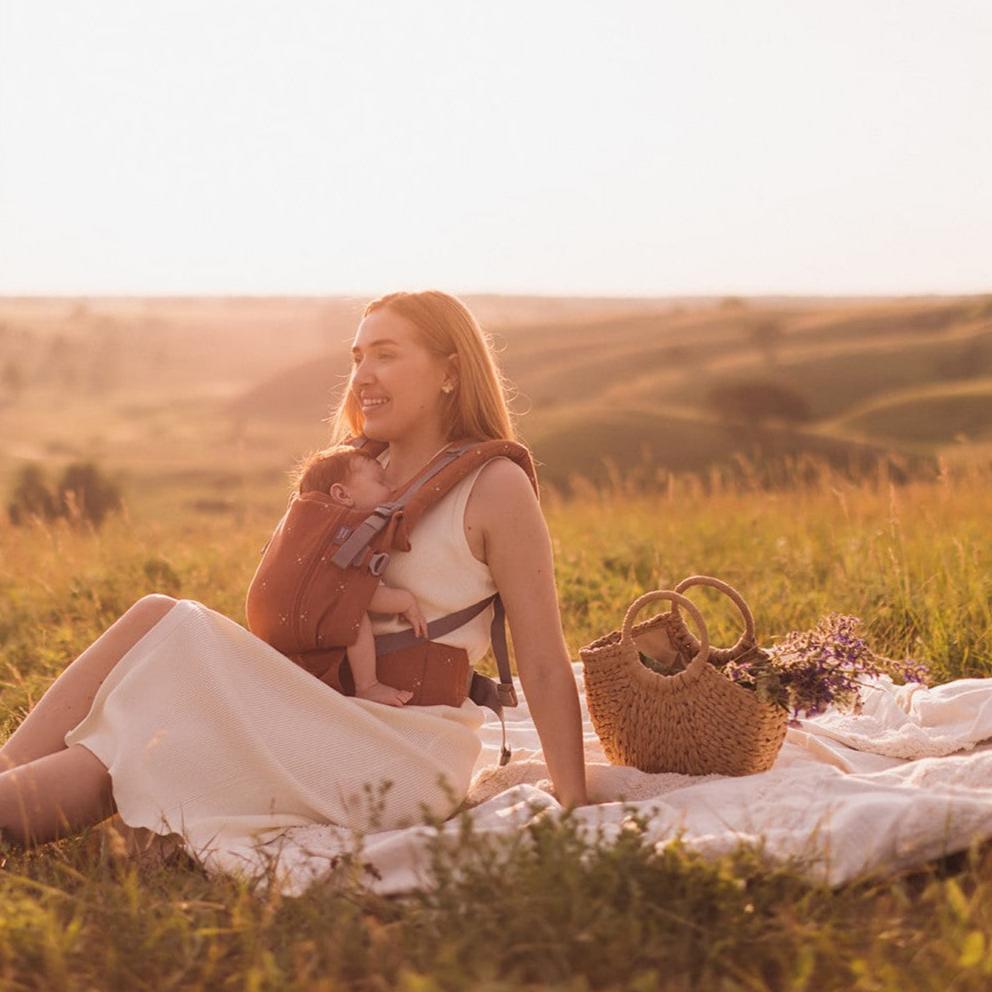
(444, 575)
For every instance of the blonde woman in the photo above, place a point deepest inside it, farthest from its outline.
(186, 724)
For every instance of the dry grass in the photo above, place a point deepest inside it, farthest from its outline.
(544, 907)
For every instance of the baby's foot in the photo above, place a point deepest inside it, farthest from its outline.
(378, 692)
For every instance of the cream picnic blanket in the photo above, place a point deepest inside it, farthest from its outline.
(906, 781)
(212, 734)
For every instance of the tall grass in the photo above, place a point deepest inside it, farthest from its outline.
(914, 561)
(543, 907)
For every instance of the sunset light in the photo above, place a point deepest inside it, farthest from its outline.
(556, 147)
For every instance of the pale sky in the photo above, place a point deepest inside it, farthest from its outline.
(546, 146)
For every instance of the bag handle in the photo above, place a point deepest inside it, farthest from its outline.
(745, 642)
(702, 647)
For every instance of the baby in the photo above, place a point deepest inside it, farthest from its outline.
(354, 478)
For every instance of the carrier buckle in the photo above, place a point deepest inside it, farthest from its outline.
(507, 694)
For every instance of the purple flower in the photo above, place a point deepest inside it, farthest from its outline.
(808, 671)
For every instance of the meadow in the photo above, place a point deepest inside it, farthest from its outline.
(546, 908)
(204, 480)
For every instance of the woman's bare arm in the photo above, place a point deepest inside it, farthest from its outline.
(518, 552)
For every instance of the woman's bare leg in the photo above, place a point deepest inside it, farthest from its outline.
(55, 796)
(71, 695)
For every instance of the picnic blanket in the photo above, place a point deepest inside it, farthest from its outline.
(906, 781)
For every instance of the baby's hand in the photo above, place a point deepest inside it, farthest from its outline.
(415, 618)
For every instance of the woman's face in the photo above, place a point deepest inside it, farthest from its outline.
(394, 377)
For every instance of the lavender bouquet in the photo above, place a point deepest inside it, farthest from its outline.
(826, 666)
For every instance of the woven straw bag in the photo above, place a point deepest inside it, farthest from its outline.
(695, 721)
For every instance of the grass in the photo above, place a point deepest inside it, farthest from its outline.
(544, 907)
(542, 910)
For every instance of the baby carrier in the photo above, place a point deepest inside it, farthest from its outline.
(324, 561)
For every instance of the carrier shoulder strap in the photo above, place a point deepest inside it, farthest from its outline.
(441, 474)
(450, 466)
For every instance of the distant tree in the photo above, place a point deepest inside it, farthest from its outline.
(105, 365)
(732, 303)
(766, 335)
(153, 343)
(58, 363)
(79, 311)
(689, 357)
(13, 379)
(756, 402)
(59, 346)
(32, 497)
(84, 492)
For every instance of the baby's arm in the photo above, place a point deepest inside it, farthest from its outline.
(387, 600)
(361, 657)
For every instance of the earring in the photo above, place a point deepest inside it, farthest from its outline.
(447, 388)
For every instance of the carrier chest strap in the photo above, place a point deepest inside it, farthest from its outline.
(363, 535)
(388, 643)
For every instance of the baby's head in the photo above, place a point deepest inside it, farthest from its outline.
(353, 477)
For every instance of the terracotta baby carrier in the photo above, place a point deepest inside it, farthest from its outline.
(324, 561)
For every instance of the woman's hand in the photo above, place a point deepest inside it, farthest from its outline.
(518, 552)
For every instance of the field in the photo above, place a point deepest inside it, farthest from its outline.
(210, 401)
(854, 509)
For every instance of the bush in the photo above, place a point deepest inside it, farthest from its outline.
(87, 494)
(32, 497)
(733, 303)
(84, 493)
(757, 401)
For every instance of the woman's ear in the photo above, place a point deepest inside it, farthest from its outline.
(451, 377)
(341, 494)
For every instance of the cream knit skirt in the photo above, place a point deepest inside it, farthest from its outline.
(211, 734)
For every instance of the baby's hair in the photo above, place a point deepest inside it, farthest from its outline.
(321, 469)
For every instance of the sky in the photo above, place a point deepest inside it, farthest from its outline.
(527, 146)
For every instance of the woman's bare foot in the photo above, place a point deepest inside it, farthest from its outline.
(378, 692)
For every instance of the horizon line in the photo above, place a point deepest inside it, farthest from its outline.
(633, 297)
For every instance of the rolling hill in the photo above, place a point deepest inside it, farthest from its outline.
(196, 393)
(634, 391)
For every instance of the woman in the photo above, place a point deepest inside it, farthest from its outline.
(208, 732)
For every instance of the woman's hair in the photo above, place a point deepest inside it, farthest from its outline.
(477, 407)
(321, 469)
